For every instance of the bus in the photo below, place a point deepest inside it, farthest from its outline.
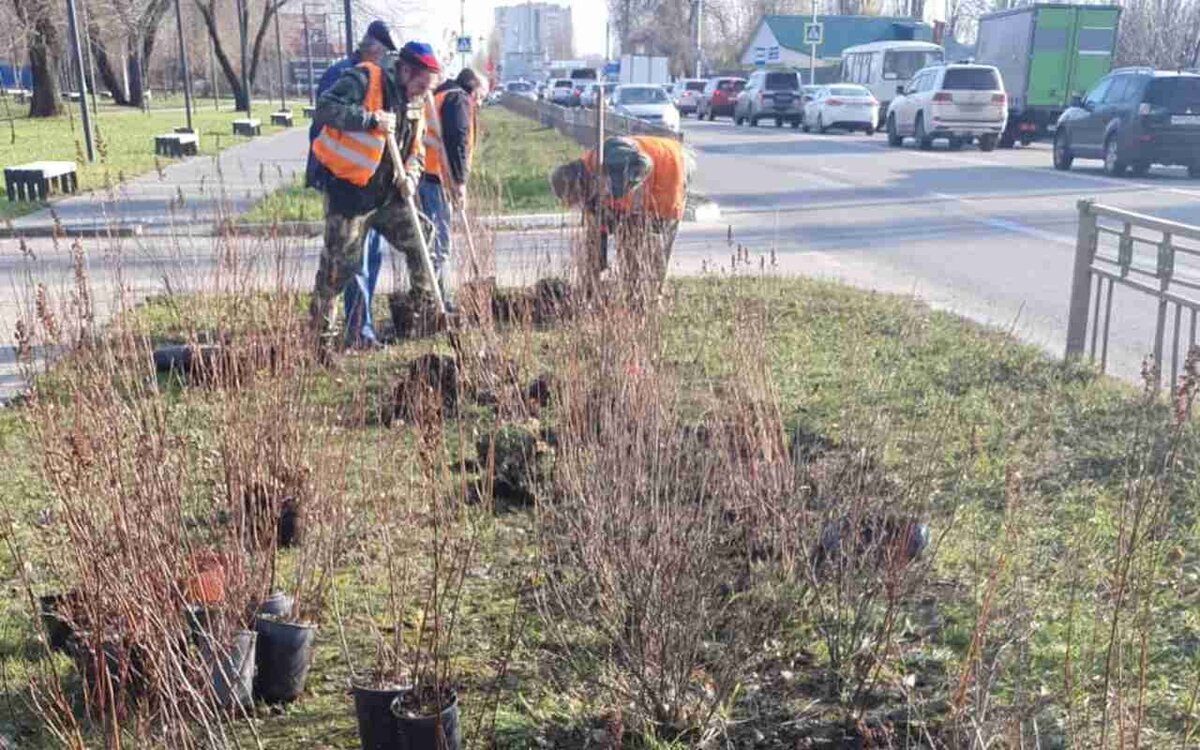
(882, 67)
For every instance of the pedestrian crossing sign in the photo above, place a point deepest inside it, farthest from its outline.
(464, 45)
(814, 33)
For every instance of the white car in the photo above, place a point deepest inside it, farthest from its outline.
(958, 102)
(685, 94)
(646, 102)
(842, 106)
(561, 91)
(521, 89)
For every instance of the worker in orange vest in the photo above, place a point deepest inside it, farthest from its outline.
(450, 116)
(356, 115)
(640, 201)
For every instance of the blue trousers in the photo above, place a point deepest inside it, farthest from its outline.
(435, 205)
(361, 292)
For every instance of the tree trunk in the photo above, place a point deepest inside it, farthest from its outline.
(235, 81)
(133, 68)
(43, 44)
(108, 75)
(207, 12)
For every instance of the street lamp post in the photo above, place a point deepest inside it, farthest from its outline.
(73, 30)
(812, 53)
(312, 89)
(349, 27)
(279, 54)
(187, 73)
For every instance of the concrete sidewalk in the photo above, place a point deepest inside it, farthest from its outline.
(200, 189)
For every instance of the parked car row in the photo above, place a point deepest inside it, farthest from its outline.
(1132, 119)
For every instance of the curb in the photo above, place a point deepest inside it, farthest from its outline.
(36, 231)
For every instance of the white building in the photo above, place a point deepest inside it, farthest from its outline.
(530, 34)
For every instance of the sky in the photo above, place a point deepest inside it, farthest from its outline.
(588, 16)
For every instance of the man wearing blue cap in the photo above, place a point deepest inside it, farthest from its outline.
(360, 324)
(367, 105)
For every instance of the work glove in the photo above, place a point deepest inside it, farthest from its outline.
(384, 120)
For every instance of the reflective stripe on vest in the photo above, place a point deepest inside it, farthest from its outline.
(663, 194)
(436, 159)
(354, 156)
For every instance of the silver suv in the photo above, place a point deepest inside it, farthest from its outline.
(958, 102)
(771, 95)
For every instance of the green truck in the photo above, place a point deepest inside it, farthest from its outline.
(1047, 54)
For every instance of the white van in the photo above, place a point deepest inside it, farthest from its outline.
(885, 66)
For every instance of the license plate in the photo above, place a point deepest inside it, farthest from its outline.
(1185, 119)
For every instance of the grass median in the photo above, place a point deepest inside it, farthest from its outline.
(124, 139)
(511, 167)
(1059, 576)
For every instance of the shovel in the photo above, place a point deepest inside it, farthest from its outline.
(411, 201)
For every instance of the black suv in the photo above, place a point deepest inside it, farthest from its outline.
(1133, 118)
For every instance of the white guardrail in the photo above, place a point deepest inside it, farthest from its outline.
(1158, 258)
(579, 123)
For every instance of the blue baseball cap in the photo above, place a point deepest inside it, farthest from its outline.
(379, 31)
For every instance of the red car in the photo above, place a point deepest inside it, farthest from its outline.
(718, 97)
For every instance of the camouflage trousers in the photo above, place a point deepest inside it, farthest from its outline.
(342, 257)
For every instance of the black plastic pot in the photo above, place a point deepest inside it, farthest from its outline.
(232, 667)
(378, 727)
(284, 654)
(277, 604)
(58, 629)
(440, 732)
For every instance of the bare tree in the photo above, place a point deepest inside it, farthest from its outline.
(1159, 33)
(211, 11)
(43, 46)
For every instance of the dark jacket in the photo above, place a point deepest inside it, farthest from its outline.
(455, 115)
(341, 107)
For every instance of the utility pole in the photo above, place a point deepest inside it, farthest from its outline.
(812, 55)
(243, 24)
(312, 89)
(462, 32)
(76, 53)
(349, 27)
(87, 52)
(697, 39)
(187, 73)
(279, 54)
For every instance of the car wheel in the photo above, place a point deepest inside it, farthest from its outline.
(869, 130)
(711, 116)
(1140, 168)
(753, 121)
(821, 124)
(924, 142)
(956, 144)
(895, 140)
(1113, 166)
(988, 142)
(795, 124)
(806, 128)
(1063, 158)
(1194, 171)
(779, 122)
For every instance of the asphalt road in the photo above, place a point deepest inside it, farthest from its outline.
(990, 236)
(987, 235)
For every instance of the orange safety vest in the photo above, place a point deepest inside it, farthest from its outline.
(354, 156)
(663, 195)
(435, 147)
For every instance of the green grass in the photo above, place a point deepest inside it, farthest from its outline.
(124, 139)
(961, 406)
(515, 157)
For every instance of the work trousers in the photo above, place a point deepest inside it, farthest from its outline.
(342, 258)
